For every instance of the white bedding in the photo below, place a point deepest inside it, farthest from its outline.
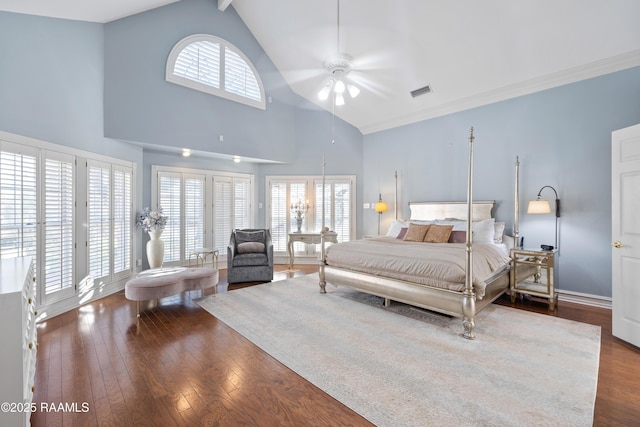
(439, 265)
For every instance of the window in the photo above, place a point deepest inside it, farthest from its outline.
(212, 65)
(58, 227)
(203, 207)
(110, 222)
(170, 200)
(41, 187)
(122, 219)
(232, 207)
(193, 213)
(339, 212)
(99, 198)
(338, 207)
(18, 205)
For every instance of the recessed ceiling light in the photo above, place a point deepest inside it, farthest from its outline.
(186, 152)
(236, 159)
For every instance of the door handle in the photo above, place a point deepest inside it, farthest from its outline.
(617, 244)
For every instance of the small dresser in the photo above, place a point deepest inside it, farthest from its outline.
(18, 340)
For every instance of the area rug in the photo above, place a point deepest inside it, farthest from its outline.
(411, 367)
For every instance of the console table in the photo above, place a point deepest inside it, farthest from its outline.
(309, 239)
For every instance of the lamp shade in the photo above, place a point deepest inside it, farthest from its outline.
(539, 207)
(381, 207)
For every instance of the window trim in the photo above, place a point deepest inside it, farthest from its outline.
(221, 91)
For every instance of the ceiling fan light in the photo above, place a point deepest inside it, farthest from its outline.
(353, 90)
(324, 92)
(339, 99)
(339, 87)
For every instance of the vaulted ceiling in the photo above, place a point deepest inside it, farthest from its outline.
(469, 52)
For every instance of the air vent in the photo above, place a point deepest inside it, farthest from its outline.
(422, 91)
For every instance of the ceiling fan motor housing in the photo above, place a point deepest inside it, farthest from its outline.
(339, 65)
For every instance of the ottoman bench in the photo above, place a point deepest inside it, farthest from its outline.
(163, 282)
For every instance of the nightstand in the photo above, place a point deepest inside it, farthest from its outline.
(533, 273)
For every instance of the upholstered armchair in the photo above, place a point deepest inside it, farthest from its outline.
(250, 256)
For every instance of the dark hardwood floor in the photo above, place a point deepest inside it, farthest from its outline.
(178, 365)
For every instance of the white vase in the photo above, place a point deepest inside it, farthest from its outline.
(155, 249)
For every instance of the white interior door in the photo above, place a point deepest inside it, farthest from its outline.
(625, 221)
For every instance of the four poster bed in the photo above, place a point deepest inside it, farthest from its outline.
(458, 277)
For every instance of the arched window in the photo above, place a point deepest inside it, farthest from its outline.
(209, 64)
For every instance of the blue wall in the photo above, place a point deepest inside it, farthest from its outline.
(141, 106)
(51, 77)
(563, 139)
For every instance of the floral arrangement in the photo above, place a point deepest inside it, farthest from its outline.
(151, 220)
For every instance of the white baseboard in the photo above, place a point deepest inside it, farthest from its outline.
(54, 309)
(584, 299)
(299, 259)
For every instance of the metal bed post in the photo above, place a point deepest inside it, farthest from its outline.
(468, 296)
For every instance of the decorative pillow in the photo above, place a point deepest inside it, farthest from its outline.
(458, 236)
(416, 232)
(396, 227)
(403, 232)
(458, 224)
(250, 247)
(249, 236)
(499, 231)
(484, 231)
(423, 221)
(438, 234)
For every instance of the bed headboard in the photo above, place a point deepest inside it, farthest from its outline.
(457, 210)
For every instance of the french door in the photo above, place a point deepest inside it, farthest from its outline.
(40, 192)
(202, 207)
(284, 193)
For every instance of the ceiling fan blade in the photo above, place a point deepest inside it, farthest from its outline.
(366, 83)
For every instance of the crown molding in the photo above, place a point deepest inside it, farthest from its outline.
(549, 81)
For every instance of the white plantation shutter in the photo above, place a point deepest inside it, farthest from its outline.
(222, 212)
(238, 76)
(212, 65)
(241, 203)
(169, 199)
(283, 194)
(342, 207)
(18, 204)
(328, 206)
(41, 187)
(338, 207)
(193, 213)
(279, 215)
(122, 219)
(206, 206)
(99, 210)
(58, 230)
(200, 61)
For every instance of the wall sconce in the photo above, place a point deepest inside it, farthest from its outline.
(543, 207)
(380, 207)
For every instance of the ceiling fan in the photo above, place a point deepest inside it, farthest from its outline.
(339, 66)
